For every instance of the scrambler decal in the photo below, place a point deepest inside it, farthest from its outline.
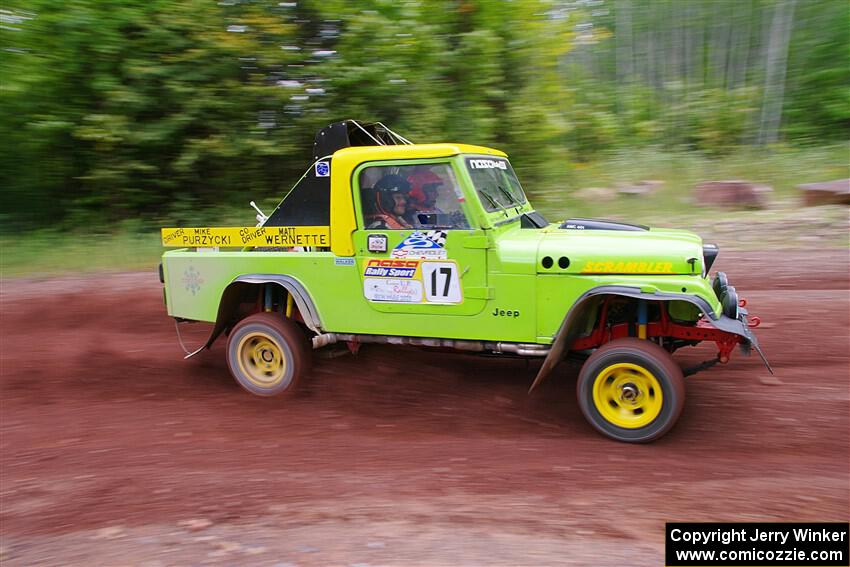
(423, 245)
(411, 281)
(592, 267)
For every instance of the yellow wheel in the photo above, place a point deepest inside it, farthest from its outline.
(631, 390)
(267, 354)
(627, 395)
(261, 359)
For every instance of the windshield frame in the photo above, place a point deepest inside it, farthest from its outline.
(494, 197)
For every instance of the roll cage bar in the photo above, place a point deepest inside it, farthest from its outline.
(350, 133)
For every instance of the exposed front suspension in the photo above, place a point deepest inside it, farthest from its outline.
(662, 329)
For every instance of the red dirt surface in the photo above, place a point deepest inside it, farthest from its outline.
(115, 451)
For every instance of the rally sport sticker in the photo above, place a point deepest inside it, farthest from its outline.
(411, 281)
(422, 245)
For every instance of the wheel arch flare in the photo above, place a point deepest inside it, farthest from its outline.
(234, 291)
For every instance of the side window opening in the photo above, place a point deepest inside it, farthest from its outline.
(411, 196)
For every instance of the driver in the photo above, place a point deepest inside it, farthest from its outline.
(390, 203)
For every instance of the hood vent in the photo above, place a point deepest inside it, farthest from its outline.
(599, 224)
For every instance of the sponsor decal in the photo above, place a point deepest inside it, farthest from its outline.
(397, 280)
(391, 268)
(424, 245)
(376, 243)
(343, 261)
(323, 169)
(285, 236)
(609, 267)
(488, 164)
(390, 272)
(392, 290)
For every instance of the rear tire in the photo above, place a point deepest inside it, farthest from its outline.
(267, 354)
(631, 390)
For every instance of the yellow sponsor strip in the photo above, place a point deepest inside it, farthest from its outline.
(244, 236)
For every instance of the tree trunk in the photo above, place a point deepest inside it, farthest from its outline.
(774, 84)
(624, 50)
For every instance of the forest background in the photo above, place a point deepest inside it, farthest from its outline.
(118, 118)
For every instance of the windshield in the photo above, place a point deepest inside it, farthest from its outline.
(496, 183)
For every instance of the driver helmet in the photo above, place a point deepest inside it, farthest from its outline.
(423, 182)
(385, 191)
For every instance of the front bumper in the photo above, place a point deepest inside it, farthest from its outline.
(740, 322)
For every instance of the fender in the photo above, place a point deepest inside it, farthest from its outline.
(230, 296)
(567, 331)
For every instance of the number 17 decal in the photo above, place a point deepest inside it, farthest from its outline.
(442, 284)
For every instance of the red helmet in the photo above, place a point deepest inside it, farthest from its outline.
(420, 182)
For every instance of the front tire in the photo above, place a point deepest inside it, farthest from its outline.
(267, 354)
(631, 390)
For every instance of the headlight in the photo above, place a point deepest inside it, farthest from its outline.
(730, 302)
(719, 284)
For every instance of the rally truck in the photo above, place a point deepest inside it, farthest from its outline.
(436, 245)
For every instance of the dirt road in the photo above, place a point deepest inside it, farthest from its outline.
(117, 452)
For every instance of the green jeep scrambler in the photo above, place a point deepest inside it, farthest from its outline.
(436, 245)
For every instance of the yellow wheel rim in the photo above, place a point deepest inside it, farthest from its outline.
(261, 359)
(627, 395)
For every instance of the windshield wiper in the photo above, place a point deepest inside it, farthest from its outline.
(511, 199)
(493, 201)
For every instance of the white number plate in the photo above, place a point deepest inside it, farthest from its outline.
(442, 282)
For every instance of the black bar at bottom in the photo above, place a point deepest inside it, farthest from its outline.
(811, 544)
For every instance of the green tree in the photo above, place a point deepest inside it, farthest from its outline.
(120, 111)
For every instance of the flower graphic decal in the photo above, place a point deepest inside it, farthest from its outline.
(192, 280)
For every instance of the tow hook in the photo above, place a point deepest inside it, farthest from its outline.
(753, 321)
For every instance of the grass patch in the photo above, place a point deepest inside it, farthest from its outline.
(51, 252)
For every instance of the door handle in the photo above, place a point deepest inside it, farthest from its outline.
(479, 292)
(476, 242)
